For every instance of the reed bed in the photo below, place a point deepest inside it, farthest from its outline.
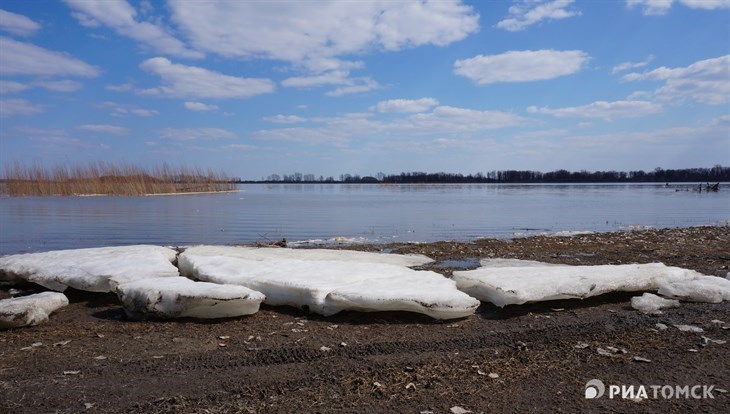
(110, 179)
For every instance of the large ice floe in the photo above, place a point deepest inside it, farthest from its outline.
(710, 289)
(330, 281)
(30, 310)
(96, 269)
(178, 297)
(508, 282)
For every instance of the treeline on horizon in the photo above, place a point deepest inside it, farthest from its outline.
(717, 173)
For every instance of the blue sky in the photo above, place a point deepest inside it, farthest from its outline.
(360, 87)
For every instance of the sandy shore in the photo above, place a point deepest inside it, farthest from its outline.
(529, 358)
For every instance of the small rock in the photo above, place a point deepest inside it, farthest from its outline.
(480, 372)
(36, 344)
(224, 337)
(458, 410)
(717, 322)
(557, 309)
(250, 338)
(581, 345)
(89, 405)
(222, 345)
(689, 328)
(377, 384)
(661, 326)
(604, 352)
(411, 386)
(100, 357)
(71, 372)
(343, 344)
(157, 356)
(99, 335)
(641, 359)
(325, 349)
(521, 346)
(453, 325)
(62, 343)
(493, 375)
(692, 350)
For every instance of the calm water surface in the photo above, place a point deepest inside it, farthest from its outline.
(335, 213)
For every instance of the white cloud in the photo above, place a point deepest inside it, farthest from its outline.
(64, 85)
(525, 13)
(122, 17)
(405, 105)
(521, 66)
(105, 129)
(602, 109)
(124, 87)
(651, 7)
(661, 7)
(181, 81)
(335, 77)
(191, 134)
(355, 85)
(317, 34)
(124, 110)
(705, 81)
(632, 65)
(20, 58)
(16, 107)
(17, 24)
(8, 87)
(199, 106)
(284, 119)
(443, 121)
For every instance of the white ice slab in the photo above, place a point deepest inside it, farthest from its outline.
(179, 297)
(95, 270)
(522, 284)
(652, 304)
(268, 253)
(330, 286)
(711, 289)
(30, 310)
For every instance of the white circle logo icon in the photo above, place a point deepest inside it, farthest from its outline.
(594, 389)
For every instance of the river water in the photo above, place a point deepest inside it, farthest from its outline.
(341, 213)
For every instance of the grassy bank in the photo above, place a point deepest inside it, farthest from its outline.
(109, 179)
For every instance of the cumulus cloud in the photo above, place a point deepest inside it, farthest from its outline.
(317, 34)
(16, 107)
(661, 7)
(521, 66)
(355, 85)
(602, 109)
(705, 81)
(17, 24)
(405, 105)
(181, 81)
(192, 134)
(199, 106)
(118, 109)
(63, 85)
(123, 18)
(284, 119)
(525, 13)
(443, 121)
(20, 58)
(105, 129)
(124, 87)
(9, 87)
(621, 67)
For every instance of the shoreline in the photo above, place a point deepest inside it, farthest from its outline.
(89, 357)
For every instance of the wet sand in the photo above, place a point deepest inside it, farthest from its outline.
(89, 358)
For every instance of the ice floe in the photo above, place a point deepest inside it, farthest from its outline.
(652, 304)
(178, 297)
(96, 269)
(268, 253)
(534, 283)
(30, 310)
(711, 289)
(327, 281)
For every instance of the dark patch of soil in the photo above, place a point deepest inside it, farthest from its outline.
(274, 361)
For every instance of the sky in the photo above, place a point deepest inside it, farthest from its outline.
(255, 88)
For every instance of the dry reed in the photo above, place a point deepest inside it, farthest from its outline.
(109, 179)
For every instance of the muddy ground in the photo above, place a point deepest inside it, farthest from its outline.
(529, 358)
